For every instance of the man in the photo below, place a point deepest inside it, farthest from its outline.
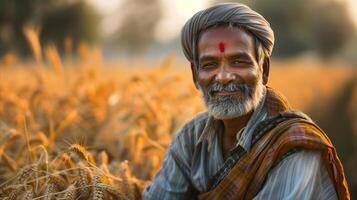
(249, 144)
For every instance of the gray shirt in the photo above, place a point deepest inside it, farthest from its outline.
(195, 155)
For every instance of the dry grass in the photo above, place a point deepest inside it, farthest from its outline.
(81, 130)
(69, 135)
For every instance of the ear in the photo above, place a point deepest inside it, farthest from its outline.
(194, 73)
(266, 68)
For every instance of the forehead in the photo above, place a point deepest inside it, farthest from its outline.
(234, 39)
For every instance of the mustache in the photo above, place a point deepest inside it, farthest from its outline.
(230, 87)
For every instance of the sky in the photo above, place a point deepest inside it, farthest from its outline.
(353, 9)
(176, 13)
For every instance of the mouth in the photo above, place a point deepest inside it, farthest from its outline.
(226, 93)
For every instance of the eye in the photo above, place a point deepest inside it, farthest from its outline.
(236, 62)
(208, 65)
(240, 62)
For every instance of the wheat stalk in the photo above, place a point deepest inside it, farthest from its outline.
(79, 151)
(25, 173)
(70, 192)
(113, 191)
(10, 163)
(31, 32)
(49, 191)
(97, 191)
(58, 181)
(28, 195)
(82, 181)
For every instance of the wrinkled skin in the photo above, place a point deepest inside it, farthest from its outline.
(227, 58)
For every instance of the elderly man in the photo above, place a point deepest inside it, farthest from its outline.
(249, 144)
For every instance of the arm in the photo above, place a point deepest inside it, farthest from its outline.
(301, 175)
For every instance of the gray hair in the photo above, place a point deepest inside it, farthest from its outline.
(230, 14)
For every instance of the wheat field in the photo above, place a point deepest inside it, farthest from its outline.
(83, 129)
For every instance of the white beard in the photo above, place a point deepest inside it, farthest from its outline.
(228, 107)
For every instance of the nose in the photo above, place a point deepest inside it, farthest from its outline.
(224, 77)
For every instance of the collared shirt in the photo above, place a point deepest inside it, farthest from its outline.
(195, 155)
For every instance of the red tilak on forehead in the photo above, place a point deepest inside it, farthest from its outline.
(221, 46)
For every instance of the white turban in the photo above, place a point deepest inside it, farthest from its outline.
(227, 13)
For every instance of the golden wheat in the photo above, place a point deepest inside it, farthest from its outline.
(28, 194)
(79, 153)
(79, 130)
(70, 192)
(97, 192)
(49, 191)
(83, 180)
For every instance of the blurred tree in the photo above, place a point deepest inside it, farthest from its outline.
(138, 22)
(331, 27)
(246, 2)
(301, 25)
(56, 20)
(290, 22)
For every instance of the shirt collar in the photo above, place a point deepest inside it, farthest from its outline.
(209, 131)
(244, 136)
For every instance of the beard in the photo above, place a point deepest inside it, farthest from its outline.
(245, 99)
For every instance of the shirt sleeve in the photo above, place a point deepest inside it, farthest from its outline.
(172, 180)
(301, 175)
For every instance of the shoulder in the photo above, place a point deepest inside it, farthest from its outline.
(193, 129)
(187, 136)
(306, 129)
(196, 122)
(296, 126)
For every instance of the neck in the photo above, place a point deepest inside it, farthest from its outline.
(232, 126)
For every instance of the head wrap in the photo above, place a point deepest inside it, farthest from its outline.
(227, 13)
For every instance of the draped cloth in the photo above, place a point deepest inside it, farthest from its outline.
(274, 139)
(226, 13)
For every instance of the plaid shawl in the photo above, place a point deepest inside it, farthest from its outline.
(283, 132)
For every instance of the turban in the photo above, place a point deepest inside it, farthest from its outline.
(227, 13)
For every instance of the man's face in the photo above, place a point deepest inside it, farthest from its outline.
(228, 75)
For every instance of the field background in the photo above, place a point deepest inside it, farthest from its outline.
(123, 113)
(83, 119)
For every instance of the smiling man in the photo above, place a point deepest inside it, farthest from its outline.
(249, 144)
